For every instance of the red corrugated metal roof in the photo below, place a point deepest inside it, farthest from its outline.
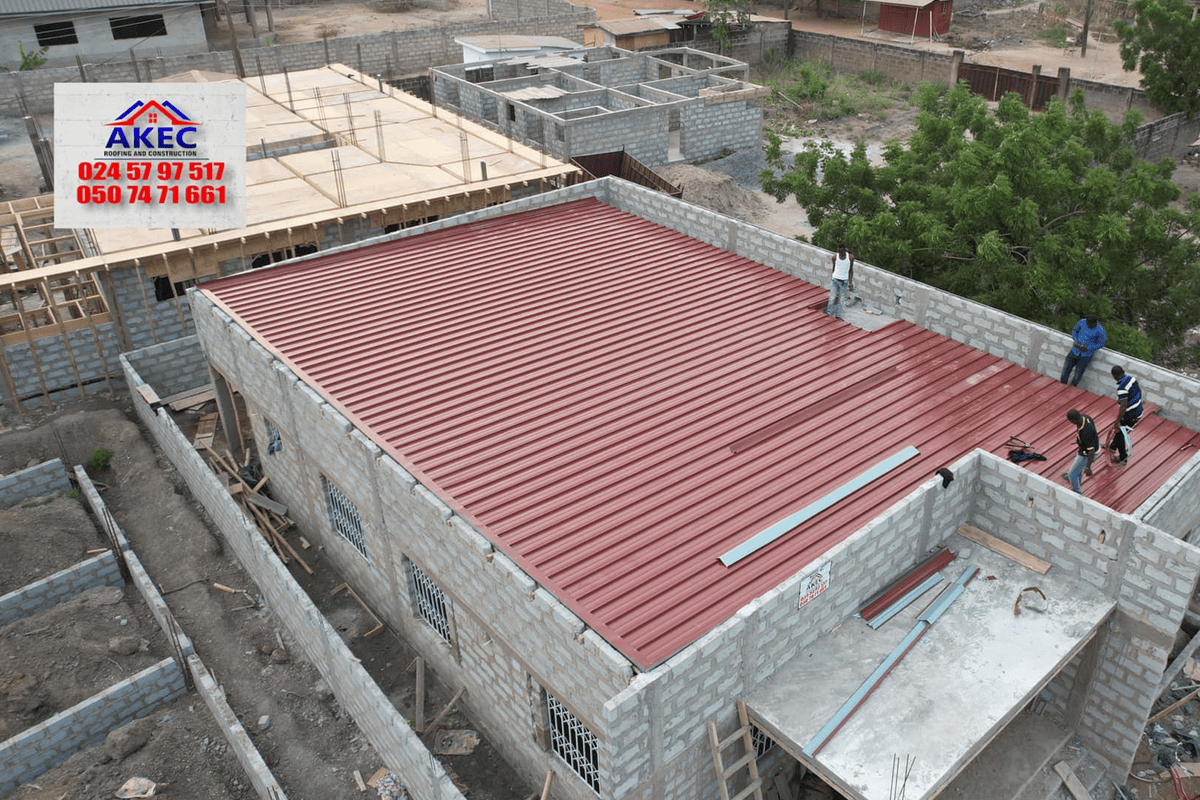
(615, 404)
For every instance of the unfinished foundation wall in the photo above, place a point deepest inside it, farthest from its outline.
(711, 125)
(389, 733)
(504, 634)
(49, 370)
(1150, 574)
(660, 720)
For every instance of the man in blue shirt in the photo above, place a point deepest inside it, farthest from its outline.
(1088, 337)
(1129, 401)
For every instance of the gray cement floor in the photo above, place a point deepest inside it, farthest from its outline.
(970, 676)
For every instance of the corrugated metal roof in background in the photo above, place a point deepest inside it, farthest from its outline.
(616, 405)
(24, 7)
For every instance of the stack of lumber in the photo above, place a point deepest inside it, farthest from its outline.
(270, 516)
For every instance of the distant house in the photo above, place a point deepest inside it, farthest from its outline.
(650, 30)
(490, 47)
(101, 28)
(916, 17)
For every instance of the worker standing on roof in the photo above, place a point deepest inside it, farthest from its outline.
(1088, 442)
(1129, 400)
(1087, 337)
(843, 280)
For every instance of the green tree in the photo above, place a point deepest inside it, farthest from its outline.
(1164, 43)
(724, 16)
(1048, 216)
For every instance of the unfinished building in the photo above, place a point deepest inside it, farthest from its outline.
(676, 104)
(600, 456)
(333, 157)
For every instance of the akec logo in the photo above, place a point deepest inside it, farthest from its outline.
(151, 129)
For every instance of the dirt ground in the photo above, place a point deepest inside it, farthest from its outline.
(311, 743)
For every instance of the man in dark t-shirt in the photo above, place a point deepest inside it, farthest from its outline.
(1087, 442)
(1129, 413)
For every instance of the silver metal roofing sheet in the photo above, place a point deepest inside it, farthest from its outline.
(25, 7)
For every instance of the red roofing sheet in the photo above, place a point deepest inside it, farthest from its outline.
(615, 404)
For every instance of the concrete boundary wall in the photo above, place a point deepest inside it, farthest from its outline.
(36, 749)
(384, 727)
(393, 53)
(33, 598)
(45, 479)
(257, 771)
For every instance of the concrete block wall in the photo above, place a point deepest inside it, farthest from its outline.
(1173, 507)
(524, 9)
(1166, 137)
(33, 598)
(173, 366)
(48, 363)
(643, 133)
(707, 129)
(509, 634)
(145, 320)
(401, 51)
(660, 719)
(493, 655)
(42, 480)
(1029, 344)
(1150, 574)
(401, 750)
(243, 749)
(36, 749)
(852, 56)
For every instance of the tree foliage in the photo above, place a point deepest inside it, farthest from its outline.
(725, 16)
(1164, 43)
(1049, 216)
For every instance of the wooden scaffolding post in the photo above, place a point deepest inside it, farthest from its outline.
(747, 760)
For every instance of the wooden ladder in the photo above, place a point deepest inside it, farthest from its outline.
(747, 761)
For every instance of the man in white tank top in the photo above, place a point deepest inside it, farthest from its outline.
(843, 280)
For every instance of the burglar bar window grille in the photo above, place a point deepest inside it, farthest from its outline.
(429, 601)
(762, 742)
(573, 742)
(274, 440)
(344, 516)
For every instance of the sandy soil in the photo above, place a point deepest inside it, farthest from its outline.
(312, 745)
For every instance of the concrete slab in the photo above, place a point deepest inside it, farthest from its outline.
(283, 199)
(971, 674)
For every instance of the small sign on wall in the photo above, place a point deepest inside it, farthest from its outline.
(814, 583)
(150, 155)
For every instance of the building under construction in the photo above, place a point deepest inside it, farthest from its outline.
(333, 157)
(599, 455)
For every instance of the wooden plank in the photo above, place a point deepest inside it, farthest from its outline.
(205, 432)
(1004, 548)
(267, 503)
(442, 714)
(148, 394)
(1073, 784)
(190, 398)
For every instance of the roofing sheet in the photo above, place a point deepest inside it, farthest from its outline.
(616, 405)
(625, 27)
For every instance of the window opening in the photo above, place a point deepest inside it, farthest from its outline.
(55, 33)
(274, 440)
(429, 601)
(263, 259)
(165, 289)
(762, 742)
(573, 742)
(344, 516)
(139, 27)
